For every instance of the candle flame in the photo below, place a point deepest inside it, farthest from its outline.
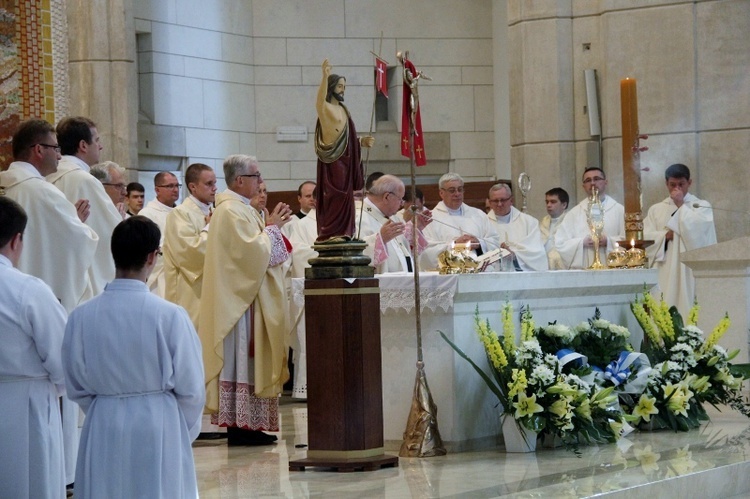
(632, 243)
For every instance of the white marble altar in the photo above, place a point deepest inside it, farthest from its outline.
(467, 410)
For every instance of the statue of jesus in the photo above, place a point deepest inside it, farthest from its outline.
(340, 170)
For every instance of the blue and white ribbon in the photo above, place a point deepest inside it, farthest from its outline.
(567, 355)
(620, 370)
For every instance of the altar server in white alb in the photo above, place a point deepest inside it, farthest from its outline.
(573, 239)
(389, 239)
(81, 149)
(453, 221)
(167, 189)
(60, 248)
(680, 223)
(519, 232)
(556, 201)
(32, 323)
(138, 378)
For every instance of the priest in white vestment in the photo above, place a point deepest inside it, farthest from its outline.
(556, 201)
(453, 221)
(32, 324)
(60, 248)
(573, 238)
(680, 223)
(244, 315)
(185, 237)
(138, 378)
(388, 240)
(81, 149)
(518, 232)
(167, 189)
(112, 176)
(302, 234)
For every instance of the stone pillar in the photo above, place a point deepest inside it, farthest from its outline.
(541, 97)
(103, 76)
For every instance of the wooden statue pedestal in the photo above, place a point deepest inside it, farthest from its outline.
(344, 379)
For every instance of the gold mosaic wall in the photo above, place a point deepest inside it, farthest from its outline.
(33, 65)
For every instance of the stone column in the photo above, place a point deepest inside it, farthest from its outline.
(103, 84)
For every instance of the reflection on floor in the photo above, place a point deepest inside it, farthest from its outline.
(713, 461)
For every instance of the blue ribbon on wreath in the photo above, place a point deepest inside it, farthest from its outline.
(619, 371)
(567, 355)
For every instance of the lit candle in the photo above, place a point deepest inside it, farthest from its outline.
(632, 243)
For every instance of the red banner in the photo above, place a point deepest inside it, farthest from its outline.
(381, 76)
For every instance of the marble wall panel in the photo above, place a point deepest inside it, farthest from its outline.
(472, 145)
(724, 182)
(270, 51)
(612, 161)
(339, 51)
(541, 9)
(236, 48)
(184, 40)
(228, 106)
(295, 18)
(444, 18)
(217, 70)
(654, 47)
(303, 170)
(448, 52)
(163, 10)
(159, 62)
(516, 86)
(248, 144)
(545, 80)
(170, 95)
(275, 75)
(280, 106)
(484, 105)
(161, 140)
(111, 39)
(613, 5)
(270, 149)
(226, 16)
(473, 170)
(212, 143)
(476, 75)
(274, 170)
(447, 108)
(723, 62)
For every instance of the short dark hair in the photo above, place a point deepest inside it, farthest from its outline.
(29, 133)
(561, 194)
(592, 168)
(159, 177)
(677, 170)
(299, 189)
(407, 194)
(371, 178)
(135, 186)
(193, 173)
(333, 80)
(71, 131)
(13, 220)
(132, 241)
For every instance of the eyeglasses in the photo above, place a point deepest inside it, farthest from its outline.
(122, 187)
(51, 146)
(250, 175)
(170, 186)
(593, 179)
(453, 190)
(400, 200)
(500, 201)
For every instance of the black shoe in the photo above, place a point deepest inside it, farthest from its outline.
(213, 435)
(239, 436)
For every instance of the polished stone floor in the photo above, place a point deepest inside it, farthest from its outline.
(713, 461)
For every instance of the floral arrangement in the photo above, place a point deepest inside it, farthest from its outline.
(532, 387)
(689, 369)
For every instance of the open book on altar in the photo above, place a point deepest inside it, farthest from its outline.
(487, 259)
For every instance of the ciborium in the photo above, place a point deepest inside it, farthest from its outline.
(595, 219)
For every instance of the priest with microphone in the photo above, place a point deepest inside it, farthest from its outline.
(680, 223)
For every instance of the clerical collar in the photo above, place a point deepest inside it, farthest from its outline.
(78, 162)
(503, 219)
(205, 208)
(456, 213)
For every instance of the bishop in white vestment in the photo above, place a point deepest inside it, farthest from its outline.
(453, 221)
